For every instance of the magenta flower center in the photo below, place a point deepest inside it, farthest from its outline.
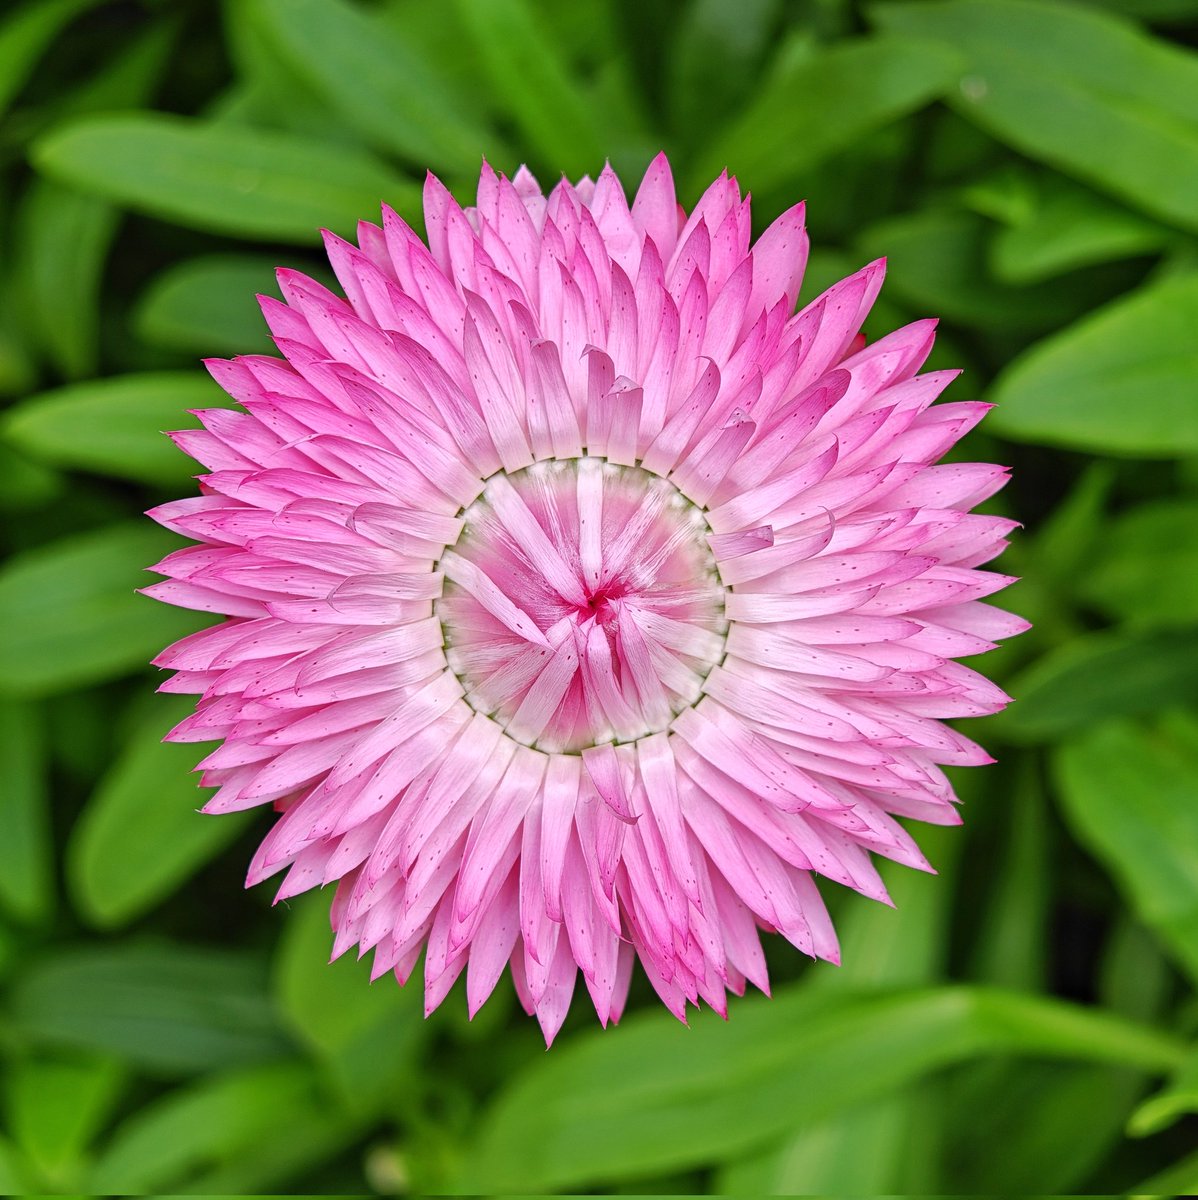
(582, 603)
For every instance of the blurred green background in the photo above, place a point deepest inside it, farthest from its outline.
(1023, 1022)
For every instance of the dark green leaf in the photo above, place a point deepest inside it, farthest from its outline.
(64, 240)
(376, 80)
(71, 615)
(936, 262)
(1099, 676)
(823, 103)
(1145, 571)
(1085, 92)
(1119, 381)
(660, 1096)
(140, 836)
(168, 1009)
(1069, 227)
(221, 178)
(208, 305)
(716, 59)
(115, 426)
(24, 35)
(366, 1033)
(1128, 794)
(1175, 1100)
(26, 851)
(24, 483)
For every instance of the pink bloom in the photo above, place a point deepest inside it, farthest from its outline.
(582, 603)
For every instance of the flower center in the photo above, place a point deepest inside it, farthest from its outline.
(581, 603)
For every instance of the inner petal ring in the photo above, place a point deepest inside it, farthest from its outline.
(582, 603)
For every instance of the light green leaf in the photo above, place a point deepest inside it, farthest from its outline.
(661, 1096)
(26, 852)
(140, 836)
(823, 103)
(366, 1033)
(115, 426)
(1098, 676)
(531, 77)
(55, 1108)
(1086, 92)
(208, 305)
(221, 178)
(1119, 381)
(1128, 794)
(168, 1009)
(1145, 571)
(378, 82)
(165, 1144)
(24, 36)
(71, 615)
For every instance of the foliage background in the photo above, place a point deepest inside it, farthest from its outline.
(1019, 1024)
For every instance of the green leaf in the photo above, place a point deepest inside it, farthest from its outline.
(63, 236)
(55, 1108)
(717, 54)
(1009, 947)
(1128, 794)
(140, 836)
(661, 1096)
(26, 851)
(208, 305)
(24, 483)
(167, 1009)
(367, 1034)
(824, 103)
(1070, 227)
(1176, 1099)
(1014, 1130)
(378, 82)
(71, 615)
(13, 1179)
(826, 1158)
(64, 239)
(1119, 381)
(220, 178)
(1179, 1179)
(1098, 676)
(936, 263)
(1086, 92)
(115, 426)
(165, 1144)
(531, 77)
(24, 36)
(1145, 571)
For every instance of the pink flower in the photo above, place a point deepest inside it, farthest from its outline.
(582, 603)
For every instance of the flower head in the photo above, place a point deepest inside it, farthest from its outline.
(582, 602)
